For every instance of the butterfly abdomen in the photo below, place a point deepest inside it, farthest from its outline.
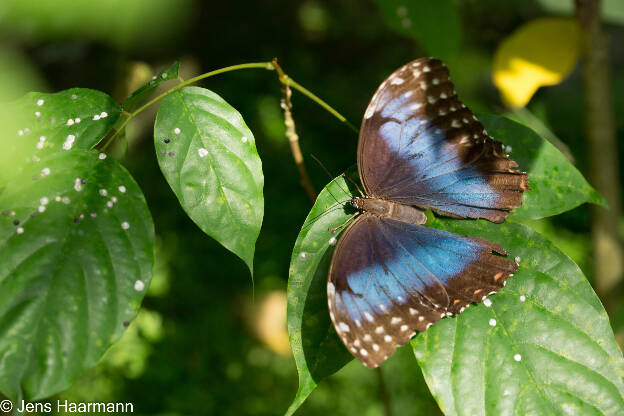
(386, 209)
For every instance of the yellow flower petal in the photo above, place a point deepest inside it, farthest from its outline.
(541, 52)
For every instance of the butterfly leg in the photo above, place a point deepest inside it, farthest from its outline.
(344, 223)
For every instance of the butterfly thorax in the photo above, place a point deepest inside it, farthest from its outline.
(386, 209)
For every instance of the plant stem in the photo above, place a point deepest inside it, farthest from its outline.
(283, 78)
(383, 392)
(602, 149)
(291, 134)
(292, 83)
(264, 65)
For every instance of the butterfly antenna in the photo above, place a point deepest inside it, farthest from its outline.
(331, 177)
(309, 222)
(355, 184)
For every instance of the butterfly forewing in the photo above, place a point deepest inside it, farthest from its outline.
(419, 145)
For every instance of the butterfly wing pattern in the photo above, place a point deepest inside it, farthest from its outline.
(419, 146)
(399, 278)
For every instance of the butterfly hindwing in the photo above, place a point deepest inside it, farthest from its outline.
(389, 279)
(419, 145)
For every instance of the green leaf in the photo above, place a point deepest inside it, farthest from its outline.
(135, 98)
(77, 118)
(436, 25)
(317, 349)
(76, 239)
(556, 185)
(544, 346)
(209, 157)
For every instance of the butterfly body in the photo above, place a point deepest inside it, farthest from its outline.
(390, 275)
(387, 209)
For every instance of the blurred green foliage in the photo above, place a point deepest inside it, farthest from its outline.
(193, 350)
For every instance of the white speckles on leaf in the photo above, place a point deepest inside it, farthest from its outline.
(303, 255)
(176, 130)
(139, 285)
(45, 171)
(102, 156)
(202, 152)
(125, 225)
(244, 139)
(522, 298)
(487, 302)
(69, 142)
(40, 102)
(20, 230)
(70, 122)
(96, 117)
(78, 184)
(492, 322)
(103, 192)
(122, 189)
(517, 357)
(332, 241)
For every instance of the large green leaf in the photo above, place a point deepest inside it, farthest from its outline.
(543, 346)
(76, 239)
(77, 118)
(436, 25)
(317, 350)
(556, 185)
(136, 97)
(209, 157)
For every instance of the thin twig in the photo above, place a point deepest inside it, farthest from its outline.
(383, 392)
(602, 149)
(292, 136)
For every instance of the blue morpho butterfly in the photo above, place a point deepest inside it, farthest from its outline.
(419, 148)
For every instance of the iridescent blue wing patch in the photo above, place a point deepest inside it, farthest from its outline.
(389, 279)
(419, 145)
